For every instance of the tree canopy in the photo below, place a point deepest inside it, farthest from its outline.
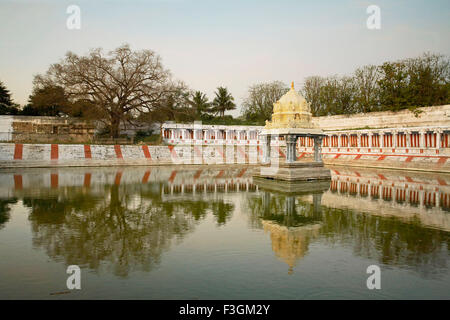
(173, 107)
(7, 106)
(119, 85)
(49, 101)
(223, 101)
(258, 104)
(391, 86)
(122, 86)
(5, 95)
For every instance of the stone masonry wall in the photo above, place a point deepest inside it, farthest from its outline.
(23, 129)
(426, 116)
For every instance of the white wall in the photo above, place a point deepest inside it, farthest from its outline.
(429, 116)
(6, 127)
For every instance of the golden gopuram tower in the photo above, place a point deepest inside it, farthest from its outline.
(291, 111)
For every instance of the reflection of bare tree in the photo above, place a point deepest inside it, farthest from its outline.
(5, 211)
(122, 232)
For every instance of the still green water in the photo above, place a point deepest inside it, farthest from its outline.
(216, 233)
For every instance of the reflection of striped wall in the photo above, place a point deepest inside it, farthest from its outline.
(432, 191)
(210, 179)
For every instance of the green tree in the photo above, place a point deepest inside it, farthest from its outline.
(416, 82)
(393, 85)
(5, 95)
(199, 102)
(28, 110)
(7, 107)
(49, 101)
(429, 77)
(174, 107)
(223, 101)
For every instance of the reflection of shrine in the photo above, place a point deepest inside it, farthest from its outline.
(290, 244)
(292, 223)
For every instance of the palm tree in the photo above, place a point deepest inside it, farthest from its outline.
(200, 104)
(223, 101)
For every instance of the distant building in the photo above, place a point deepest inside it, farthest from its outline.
(45, 129)
(39, 129)
(429, 129)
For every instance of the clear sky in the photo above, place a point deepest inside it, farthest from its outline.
(232, 43)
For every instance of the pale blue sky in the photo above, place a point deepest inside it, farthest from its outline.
(233, 43)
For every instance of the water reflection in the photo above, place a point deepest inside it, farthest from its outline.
(5, 210)
(389, 241)
(295, 219)
(123, 220)
(121, 232)
(291, 223)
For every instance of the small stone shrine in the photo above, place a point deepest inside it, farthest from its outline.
(291, 119)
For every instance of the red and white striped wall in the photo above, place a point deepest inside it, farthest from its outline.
(49, 155)
(38, 155)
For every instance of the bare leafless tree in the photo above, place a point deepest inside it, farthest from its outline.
(258, 104)
(120, 84)
(366, 82)
(311, 91)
